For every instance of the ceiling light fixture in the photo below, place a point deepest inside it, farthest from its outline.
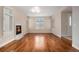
(35, 10)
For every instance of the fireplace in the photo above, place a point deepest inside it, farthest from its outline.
(18, 29)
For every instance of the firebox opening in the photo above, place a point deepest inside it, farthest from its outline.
(18, 29)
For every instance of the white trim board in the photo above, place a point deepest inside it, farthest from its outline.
(75, 46)
(19, 36)
(6, 43)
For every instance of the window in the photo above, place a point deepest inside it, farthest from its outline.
(39, 22)
(70, 20)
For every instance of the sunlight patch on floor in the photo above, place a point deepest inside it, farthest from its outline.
(39, 42)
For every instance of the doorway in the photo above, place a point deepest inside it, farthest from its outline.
(66, 23)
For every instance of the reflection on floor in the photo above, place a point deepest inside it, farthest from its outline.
(39, 43)
(68, 37)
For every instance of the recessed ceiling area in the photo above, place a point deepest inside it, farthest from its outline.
(68, 9)
(44, 10)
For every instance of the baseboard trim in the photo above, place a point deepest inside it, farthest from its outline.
(56, 36)
(75, 47)
(16, 38)
(5, 43)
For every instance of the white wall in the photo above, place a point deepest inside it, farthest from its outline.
(1, 23)
(56, 29)
(45, 28)
(56, 22)
(75, 27)
(19, 18)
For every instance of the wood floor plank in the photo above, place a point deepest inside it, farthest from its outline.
(39, 43)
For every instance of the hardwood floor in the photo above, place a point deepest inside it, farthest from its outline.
(39, 43)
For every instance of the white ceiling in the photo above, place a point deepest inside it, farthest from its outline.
(45, 10)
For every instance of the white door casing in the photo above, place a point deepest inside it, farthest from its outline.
(8, 24)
